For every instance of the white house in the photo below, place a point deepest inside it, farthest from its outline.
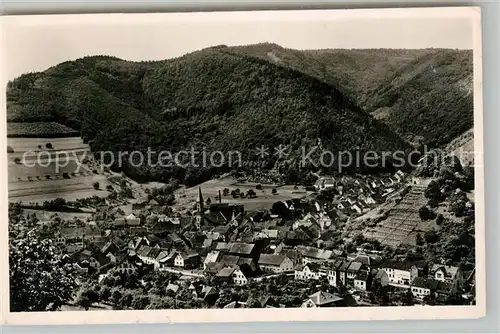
(445, 273)
(308, 272)
(399, 176)
(368, 199)
(362, 281)
(357, 207)
(179, 260)
(325, 183)
(126, 267)
(239, 277)
(333, 272)
(422, 287)
(321, 299)
(275, 263)
(185, 260)
(400, 273)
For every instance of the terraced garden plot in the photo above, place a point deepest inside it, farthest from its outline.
(69, 189)
(26, 144)
(54, 170)
(60, 173)
(402, 221)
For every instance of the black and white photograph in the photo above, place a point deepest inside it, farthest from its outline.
(296, 162)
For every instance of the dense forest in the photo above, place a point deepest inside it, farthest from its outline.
(239, 98)
(409, 90)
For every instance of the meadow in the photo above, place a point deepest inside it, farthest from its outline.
(187, 197)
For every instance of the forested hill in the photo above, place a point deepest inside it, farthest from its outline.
(211, 98)
(423, 95)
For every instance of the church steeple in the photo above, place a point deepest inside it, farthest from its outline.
(200, 201)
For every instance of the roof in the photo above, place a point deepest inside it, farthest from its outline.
(315, 253)
(174, 237)
(212, 257)
(101, 258)
(290, 253)
(223, 246)
(355, 266)
(221, 229)
(242, 248)
(322, 298)
(154, 252)
(345, 264)
(189, 254)
(312, 267)
(212, 235)
(226, 272)
(242, 261)
(400, 265)
(133, 221)
(144, 250)
(230, 260)
(71, 232)
(431, 284)
(207, 243)
(448, 270)
(120, 221)
(271, 259)
(208, 291)
(173, 287)
(213, 267)
(164, 256)
(361, 276)
(273, 234)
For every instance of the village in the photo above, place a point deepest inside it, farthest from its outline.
(330, 239)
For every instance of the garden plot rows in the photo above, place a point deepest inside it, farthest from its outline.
(402, 220)
(60, 172)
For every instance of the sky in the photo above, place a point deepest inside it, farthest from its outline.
(37, 43)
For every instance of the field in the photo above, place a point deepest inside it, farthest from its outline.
(58, 174)
(403, 221)
(21, 145)
(46, 215)
(186, 197)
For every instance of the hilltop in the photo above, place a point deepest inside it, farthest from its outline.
(212, 98)
(407, 89)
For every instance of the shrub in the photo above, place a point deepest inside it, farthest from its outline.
(433, 203)
(17, 161)
(10, 149)
(431, 237)
(66, 175)
(96, 185)
(49, 146)
(425, 213)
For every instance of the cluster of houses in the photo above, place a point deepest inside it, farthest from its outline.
(224, 243)
(359, 194)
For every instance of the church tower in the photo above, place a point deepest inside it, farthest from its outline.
(200, 203)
